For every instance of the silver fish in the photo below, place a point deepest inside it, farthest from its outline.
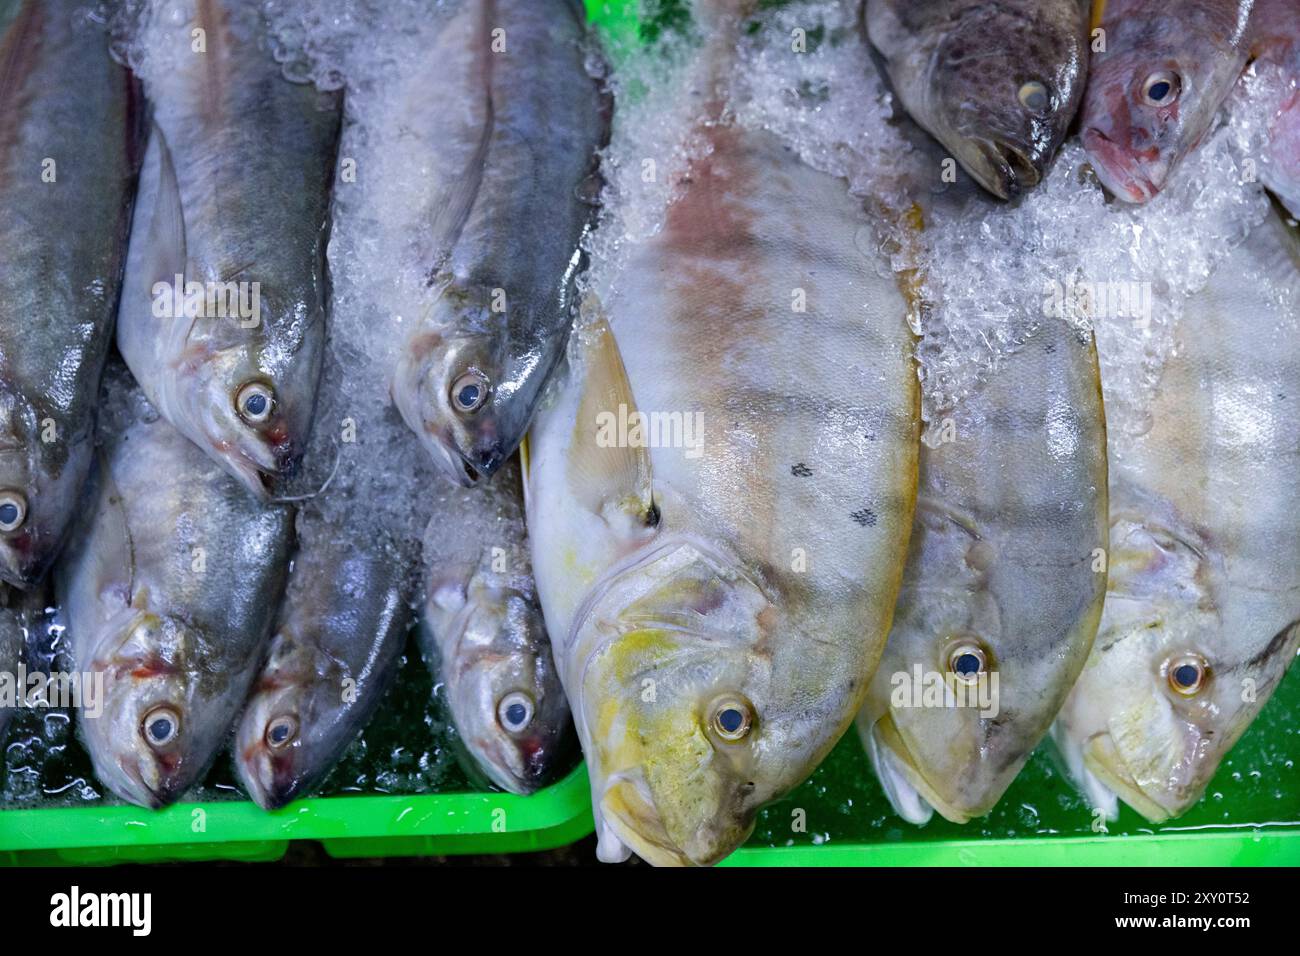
(483, 635)
(334, 654)
(997, 82)
(222, 318)
(168, 589)
(1202, 613)
(1003, 587)
(718, 597)
(69, 145)
(512, 121)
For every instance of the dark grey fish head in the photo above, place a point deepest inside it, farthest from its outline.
(250, 407)
(1006, 81)
(470, 394)
(294, 722)
(507, 702)
(155, 720)
(307, 706)
(42, 472)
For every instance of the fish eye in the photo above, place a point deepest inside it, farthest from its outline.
(1187, 674)
(1035, 97)
(967, 661)
(469, 392)
(732, 718)
(161, 726)
(254, 402)
(1161, 88)
(281, 731)
(515, 711)
(13, 510)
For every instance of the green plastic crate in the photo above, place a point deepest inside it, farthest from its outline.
(347, 826)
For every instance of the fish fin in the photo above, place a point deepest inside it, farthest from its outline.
(165, 239)
(1098, 15)
(903, 796)
(944, 513)
(115, 564)
(607, 474)
(454, 206)
(1098, 795)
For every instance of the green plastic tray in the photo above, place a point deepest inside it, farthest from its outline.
(840, 817)
(347, 826)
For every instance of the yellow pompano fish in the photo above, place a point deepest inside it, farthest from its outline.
(1003, 587)
(1200, 620)
(720, 499)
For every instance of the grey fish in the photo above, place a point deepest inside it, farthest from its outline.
(168, 588)
(997, 82)
(341, 630)
(1003, 587)
(1202, 613)
(69, 144)
(12, 639)
(234, 198)
(483, 634)
(511, 120)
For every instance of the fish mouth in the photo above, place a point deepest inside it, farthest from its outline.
(628, 808)
(898, 773)
(1004, 170)
(141, 793)
(273, 784)
(1122, 174)
(19, 566)
(260, 482)
(1103, 761)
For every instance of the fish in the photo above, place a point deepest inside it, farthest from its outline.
(996, 83)
(512, 121)
(483, 635)
(1276, 47)
(338, 639)
(1003, 587)
(168, 589)
(223, 310)
(717, 597)
(12, 640)
(1202, 612)
(70, 143)
(1155, 89)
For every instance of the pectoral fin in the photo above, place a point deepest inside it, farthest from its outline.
(607, 473)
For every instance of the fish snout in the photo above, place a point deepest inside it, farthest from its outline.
(1123, 173)
(1008, 171)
